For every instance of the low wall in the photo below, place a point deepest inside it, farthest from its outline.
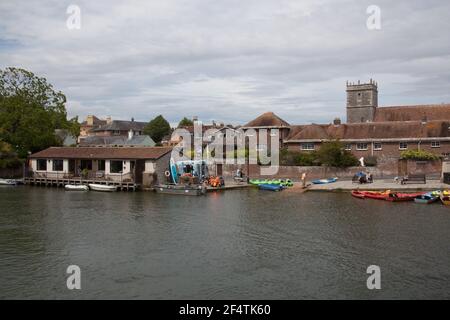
(384, 171)
(11, 172)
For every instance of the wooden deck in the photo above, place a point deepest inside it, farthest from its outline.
(61, 182)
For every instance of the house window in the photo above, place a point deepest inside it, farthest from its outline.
(116, 132)
(362, 146)
(403, 146)
(435, 144)
(116, 166)
(41, 164)
(86, 164)
(101, 165)
(348, 146)
(307, 146)
(58, 165)
(377, 146)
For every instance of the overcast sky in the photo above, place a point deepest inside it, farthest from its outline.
(229, 60)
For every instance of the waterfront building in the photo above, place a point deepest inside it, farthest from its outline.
(381, 132)
(140, 165)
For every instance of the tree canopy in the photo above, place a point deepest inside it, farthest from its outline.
(185, 122)
(157, 128)
(30, 111)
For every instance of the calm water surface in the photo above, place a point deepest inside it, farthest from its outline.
(243, 244)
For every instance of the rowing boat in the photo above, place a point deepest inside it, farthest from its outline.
(78, 187)
(324, 181)
(102, 187)
(427, 198)
(270, 187)
(398, 196)
(8, 182)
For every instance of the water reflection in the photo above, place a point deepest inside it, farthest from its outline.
(237, 245)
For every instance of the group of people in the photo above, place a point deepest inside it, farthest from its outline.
(363, 177)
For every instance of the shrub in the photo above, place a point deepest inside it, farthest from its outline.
(418, 155)
(333, 154)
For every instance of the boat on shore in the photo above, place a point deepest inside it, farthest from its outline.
(76, 187)
(281, 182)
(8, 182)
(324, 181)
(102, 187)
(187, 190)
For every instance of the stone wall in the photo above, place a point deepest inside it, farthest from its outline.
(386, 171)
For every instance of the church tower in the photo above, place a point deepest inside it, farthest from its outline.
(362, 101)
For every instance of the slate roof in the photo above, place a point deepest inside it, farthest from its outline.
(139, 140)
(122, 125)
(151, 153)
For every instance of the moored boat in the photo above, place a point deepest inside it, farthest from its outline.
(371, 194)
(324, 181)
(358, 194)
(427, 198)
(270, 187)
(196, 190)
(399, 196)
(445, 197)
(102, 187)
(76, 187)
(8, 182)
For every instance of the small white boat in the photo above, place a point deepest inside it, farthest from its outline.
(102, 187)
(78, 187)
(8, 182)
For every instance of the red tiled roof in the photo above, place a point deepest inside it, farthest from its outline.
(413, 113)
(373, 130)
(102, 152)
(268, 119)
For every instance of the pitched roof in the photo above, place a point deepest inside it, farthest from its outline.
(413, 113)
(122, 125)
(96, 121)
(373, 130)
(102, 153)
(268, 119)
(139, 140)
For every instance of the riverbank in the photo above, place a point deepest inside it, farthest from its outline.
(378, 185)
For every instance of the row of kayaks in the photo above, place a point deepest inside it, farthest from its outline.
(271, 184)
(418, 197)
(10, 182)
(90, 186)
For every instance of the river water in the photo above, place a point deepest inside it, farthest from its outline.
(240, 244)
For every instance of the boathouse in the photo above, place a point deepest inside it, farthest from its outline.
(126, 167)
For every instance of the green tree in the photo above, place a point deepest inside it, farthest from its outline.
(333, 154)
(185, 122)
(157, 128)
(30, 111)
(418, 155)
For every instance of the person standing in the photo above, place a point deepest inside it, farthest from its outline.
(303, 179)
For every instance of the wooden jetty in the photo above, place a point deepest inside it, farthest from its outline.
(61, 182)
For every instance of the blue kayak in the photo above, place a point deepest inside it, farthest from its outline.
(324, 181)
(270, 187)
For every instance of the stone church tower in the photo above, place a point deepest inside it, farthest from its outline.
(362, 101)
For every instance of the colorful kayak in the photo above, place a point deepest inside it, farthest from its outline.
(445, 197)
(427, 198)
(398, 196)
(371, 194)
(277, 182)
(270, 187)
(324, 181)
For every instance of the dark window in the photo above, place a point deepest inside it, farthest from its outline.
(86, 164)
(58, 165)
(101, 165)
(42, 164)
(116, 166)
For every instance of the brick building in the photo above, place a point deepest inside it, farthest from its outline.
(383, 132)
